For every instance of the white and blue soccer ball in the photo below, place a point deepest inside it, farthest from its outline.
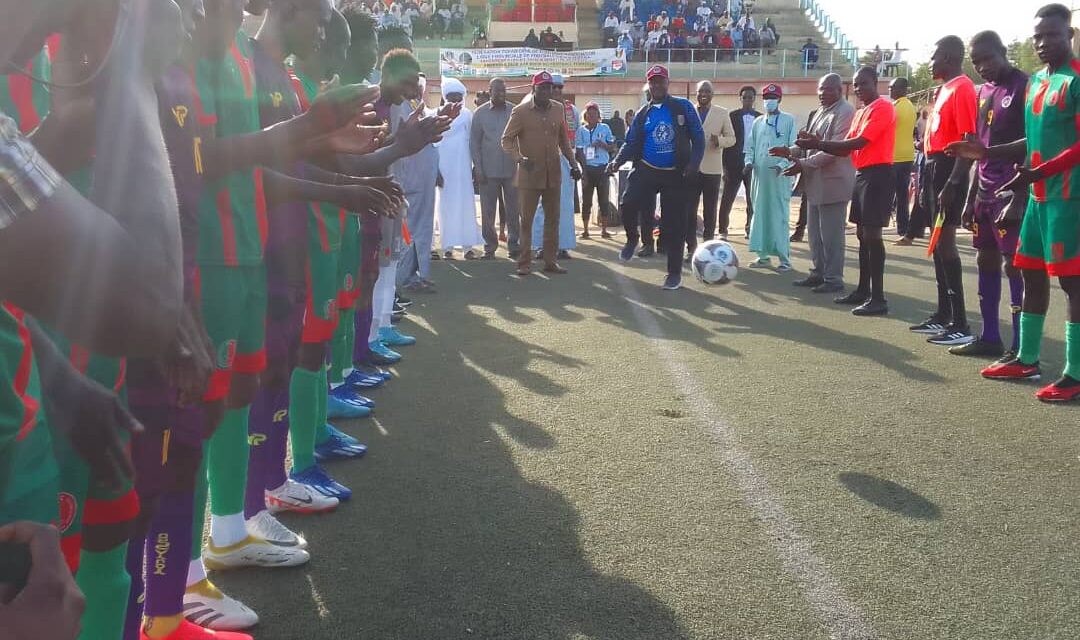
(715, 262)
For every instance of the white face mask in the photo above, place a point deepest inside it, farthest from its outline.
(772, 105)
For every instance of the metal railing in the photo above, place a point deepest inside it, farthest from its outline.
(741, 63)
(822, 20)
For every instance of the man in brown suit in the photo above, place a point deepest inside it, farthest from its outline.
(534, 137)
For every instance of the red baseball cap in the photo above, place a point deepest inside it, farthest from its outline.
(542, 78)
(592, 105)
(773, 89)
(657, 70)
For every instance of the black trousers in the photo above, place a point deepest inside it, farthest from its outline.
(920, 213)
(637, 207)
(732, 180)
(596, 179)
(705, 188)
(902, 171)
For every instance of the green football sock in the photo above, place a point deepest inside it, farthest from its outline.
(1072, 350)
(339, 346)
(1031, 331)
(228, 462)
(305, 387)
(322, 434)
(104, 581)
(350, 340)
(198, 522)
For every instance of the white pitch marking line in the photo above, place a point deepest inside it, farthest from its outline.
(841, 617)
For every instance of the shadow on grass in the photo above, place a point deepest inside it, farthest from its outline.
(444, 537)
(890, 496)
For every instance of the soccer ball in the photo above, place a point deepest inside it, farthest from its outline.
(715, 262)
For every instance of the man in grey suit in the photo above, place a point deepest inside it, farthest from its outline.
(493, 169)
(827, 182)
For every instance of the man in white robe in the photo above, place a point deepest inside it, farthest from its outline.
(456, 208)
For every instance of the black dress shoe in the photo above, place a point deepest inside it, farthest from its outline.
(646, 251)
(809, 281)
(871, 308)
(828, 287)
(796, 237)
(856, 297)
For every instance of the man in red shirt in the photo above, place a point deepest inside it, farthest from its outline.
(870, 143)
(951, 120)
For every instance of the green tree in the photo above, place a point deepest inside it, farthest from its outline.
(1022, 54)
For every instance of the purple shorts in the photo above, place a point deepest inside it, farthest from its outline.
(173, 436)
(284, 324)
(986, 234)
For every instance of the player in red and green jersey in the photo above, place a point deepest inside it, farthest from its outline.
(1050, 233)
(23, 99)
(93, 520)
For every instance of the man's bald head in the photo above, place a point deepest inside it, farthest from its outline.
(497, 89)
(829, 89)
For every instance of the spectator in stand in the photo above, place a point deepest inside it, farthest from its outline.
(747, 22)
(532, 40)
(704, 10)
(727, 46)
(627, 9)
(411, 20)
(611, 26)
(737, 38)
(548, 39)
(457, 20)
(480, 41)
(678, 23)
(626, 43)
(663, 20)
(809, 54)
(442, 21)
(427, 13)
(680, 42)
(768, 38)
(877, 60)
(724, 21)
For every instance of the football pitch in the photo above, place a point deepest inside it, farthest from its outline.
(588, 457)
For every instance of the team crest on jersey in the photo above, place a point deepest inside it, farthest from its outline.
(276, 98)
(331, 308)
(69, 506)
(1006, 102)
(227, 354)
(180, 112)
(663, 133)
(1052, 99)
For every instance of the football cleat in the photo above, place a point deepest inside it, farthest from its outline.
(1012, 369)
(298, 498)
(208, 607)
(191, 631)
(265, 526)
(339, 447)
(252, 552)
(1064, 390)
(318, 479)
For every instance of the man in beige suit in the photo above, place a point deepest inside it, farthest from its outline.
(719, 135)
(828, 182)
(534, 137)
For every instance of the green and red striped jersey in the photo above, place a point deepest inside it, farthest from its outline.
(328, 224)
(1052, 125)
(232, 209)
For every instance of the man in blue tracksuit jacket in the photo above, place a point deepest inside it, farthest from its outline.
(666, 144)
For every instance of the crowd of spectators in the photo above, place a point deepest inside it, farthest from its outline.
(688, 28)
(419, 19)
(546, 39)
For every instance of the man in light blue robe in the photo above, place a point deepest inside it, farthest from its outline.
(771, 189)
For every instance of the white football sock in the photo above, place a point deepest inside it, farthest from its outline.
(227, 530)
